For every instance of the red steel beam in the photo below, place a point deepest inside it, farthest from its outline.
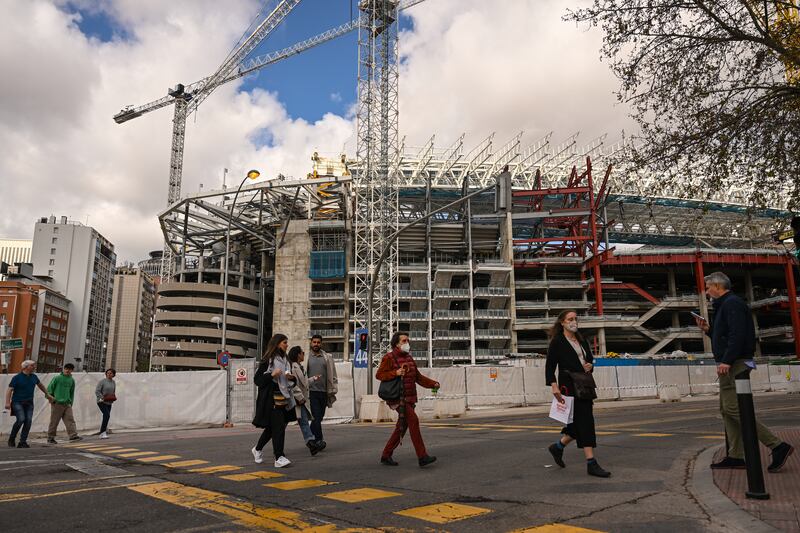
(692, 257)
(552, 191)
(791, 288)
(568, 238)
(632, 287)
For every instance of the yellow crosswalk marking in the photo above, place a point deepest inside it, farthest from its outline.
(556, 528)
(124, 450)
(190, 462)
(83, 445)
(653, 435)
(249, 476)
(215, 469)
(510, 430)
(547, 431)
(137, 454)
(360, 495)
(299, 484)
(242, 513)
(712, 437)
(158, 458)
(442, 513)
(473, 429)
(104, 448)
(605, 433)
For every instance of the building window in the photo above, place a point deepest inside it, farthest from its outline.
(52, 251)
(55, 240)
(5, 303)
(55, 229)
(52, 262)
(50, 273)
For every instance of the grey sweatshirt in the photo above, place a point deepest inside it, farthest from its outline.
(104, 387)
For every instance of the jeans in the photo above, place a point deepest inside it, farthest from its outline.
(24, 413)
(319, 402)
(303, 423)
(276, 431)
(105, 408)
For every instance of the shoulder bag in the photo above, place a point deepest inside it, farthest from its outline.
(584, 385)
(392, 390)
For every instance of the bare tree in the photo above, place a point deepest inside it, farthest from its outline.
(715, 89)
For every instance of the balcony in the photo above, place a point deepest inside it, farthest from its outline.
(452, 293)
(452, 314)
(412, 294)
(455, 335)
(326, 295)
(412, 316)
(326, 313)
(327, 333)
(491, 291)
(492, 314)
(492, 334)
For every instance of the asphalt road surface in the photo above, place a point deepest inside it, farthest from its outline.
(493, 474)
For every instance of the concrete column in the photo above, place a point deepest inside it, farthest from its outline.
(673, 291)
(241, 273)
(748, 288)
(699, 275)
(508, 257)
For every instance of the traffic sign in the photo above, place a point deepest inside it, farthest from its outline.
(223, 358)
(10, 344)
(241, 376)
(360, 359)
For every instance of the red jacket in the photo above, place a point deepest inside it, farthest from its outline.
(388, 371)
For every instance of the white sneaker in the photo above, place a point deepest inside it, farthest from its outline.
(281, 462)
(104, 435)
(257, 455)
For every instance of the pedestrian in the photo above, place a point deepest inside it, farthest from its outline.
(106, 393)
(569, 353)
(733, 342)
(300, 391)
(19, 400)
(275, 402)
(62, 389)
(323, 386)
(399, 362)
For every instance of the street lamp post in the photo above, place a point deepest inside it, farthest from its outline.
(503, 187)
(251, 175)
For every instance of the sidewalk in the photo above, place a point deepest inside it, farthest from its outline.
(782, 510)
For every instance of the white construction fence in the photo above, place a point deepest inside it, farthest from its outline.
(187, 399)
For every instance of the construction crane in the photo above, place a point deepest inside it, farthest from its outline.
(186, 98)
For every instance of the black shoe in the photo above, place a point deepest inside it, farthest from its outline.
(594, 469)
(312, 446)
(76, 437)
(388, 461)
(780, 454)
(558, 455)
(321, 444)
(51, 441)
(728, 463)
(12, 443)
(425, 461)
(23, 445)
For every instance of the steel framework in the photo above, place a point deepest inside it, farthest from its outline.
(375, 176)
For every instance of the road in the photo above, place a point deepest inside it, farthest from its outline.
(494, 474)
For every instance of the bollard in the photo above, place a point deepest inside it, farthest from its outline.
(747, 423)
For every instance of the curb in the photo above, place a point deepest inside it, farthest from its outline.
(723, 511)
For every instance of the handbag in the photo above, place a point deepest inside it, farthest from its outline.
(392, 390)
(584, 385)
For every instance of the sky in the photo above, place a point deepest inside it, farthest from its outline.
(467, 66)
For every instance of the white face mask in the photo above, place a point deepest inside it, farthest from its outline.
(572, 327)
(405, 347)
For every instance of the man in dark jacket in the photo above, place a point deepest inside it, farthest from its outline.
(733, 342)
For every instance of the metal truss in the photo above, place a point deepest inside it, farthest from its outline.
(375, 175)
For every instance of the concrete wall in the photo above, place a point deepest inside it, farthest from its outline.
(292, 285)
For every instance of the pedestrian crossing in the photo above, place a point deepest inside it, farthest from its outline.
(436, 514)
(553, 430)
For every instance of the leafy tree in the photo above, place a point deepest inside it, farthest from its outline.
(715, 89)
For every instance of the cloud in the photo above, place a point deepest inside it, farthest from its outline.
(468, 66)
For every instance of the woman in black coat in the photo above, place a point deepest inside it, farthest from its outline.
(275, 403)
(569, 352)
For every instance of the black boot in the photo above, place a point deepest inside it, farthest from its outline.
(425, 461)
(780, 454)
(321, 444)
(312, 446)
(558, 455)
(388, 461)
(11, 442)
(595, 469)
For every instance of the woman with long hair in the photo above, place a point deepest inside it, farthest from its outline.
(570, 354)
(275, 403)
(300, 392)
(399, 363)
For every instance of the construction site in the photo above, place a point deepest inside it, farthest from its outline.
(482, 279)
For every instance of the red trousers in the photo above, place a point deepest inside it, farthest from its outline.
(411, 422)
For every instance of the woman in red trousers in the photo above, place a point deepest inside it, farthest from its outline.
(396, 363)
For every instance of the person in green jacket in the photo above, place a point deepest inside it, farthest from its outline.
(62, 389)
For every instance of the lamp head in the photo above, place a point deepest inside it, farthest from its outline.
(253, 174)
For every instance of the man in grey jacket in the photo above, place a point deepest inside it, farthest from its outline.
(322, 384)
(106, 394)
